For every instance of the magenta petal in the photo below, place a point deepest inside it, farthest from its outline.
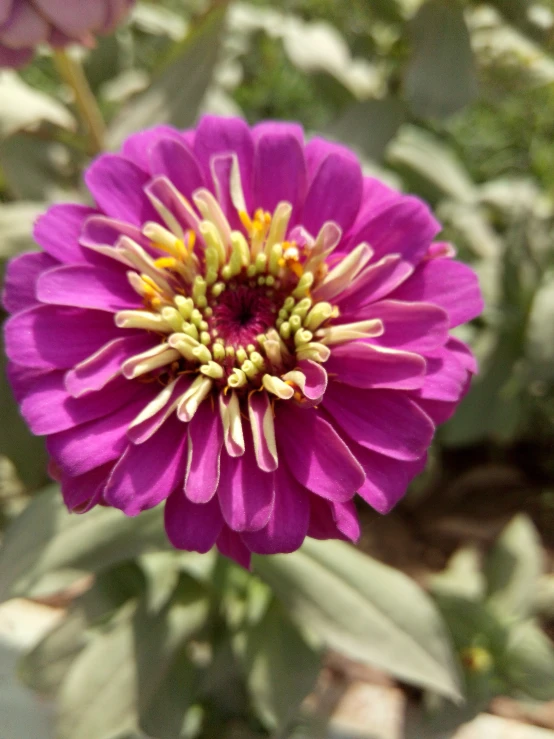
(146, 474)
(346, 519)
(172, 159)
(279, 170)
(25, 27)
(446, 283)
(205, 442)
(245, 492)
(323, 524)
(316, 379)
(406, 227)
(95, 371)
(58, 232)
(335, 193)
(375, 282)
(230, 544)
(318, 149)
(386, 421)
(224, 136)
(288, 525)
(85, 286)
(21, 278)
(138, 146)
(192, 526)
(154, 417)
(73, 18)
(82, 493)
(363, 365)
(316, 454)
(446, 378)
(48, 408)
(100, 231)
(15, 57)
(418, 327)
(386, 479)
(22, 379)
(376, 196)
(463, 354)
(117, 185)
(55, 337)
(82, 448)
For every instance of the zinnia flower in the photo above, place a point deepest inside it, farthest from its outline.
(244, 327)
(26, 23)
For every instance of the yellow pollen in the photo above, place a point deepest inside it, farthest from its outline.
(166, 263)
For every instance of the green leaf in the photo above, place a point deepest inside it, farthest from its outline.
(16, 225)
(281, 667)
(440, 78)
(131, 670)
(28, 107)
(45, 538)
(359, 607)
(462, 576)
(45, 666)
(513, 568)
(369, 126)
(174, 97)
(429, 167)
(529, 662)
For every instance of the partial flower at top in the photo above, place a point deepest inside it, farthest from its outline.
(244, 327)
(24, 24)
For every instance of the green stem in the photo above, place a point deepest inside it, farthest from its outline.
(71, 72)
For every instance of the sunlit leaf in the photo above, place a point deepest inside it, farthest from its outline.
(358, 606)
(529, 662)
(281, 667)
(28, 107)
(46, 538)
(175, 95)
(440, 79)
(513, 568)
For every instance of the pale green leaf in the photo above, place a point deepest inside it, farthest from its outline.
(16, 226)
(369, 126)
(366, 610)
(281, 667)
(174, 96)
(529, 662)
(46, 538)
(25, 107)
(440, 78)
(513, 568)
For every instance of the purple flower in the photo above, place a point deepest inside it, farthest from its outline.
(26, 23)
(245, 327)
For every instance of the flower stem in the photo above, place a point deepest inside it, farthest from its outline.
(71, 72)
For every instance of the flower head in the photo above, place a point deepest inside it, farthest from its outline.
(244, 327)
(26, 23)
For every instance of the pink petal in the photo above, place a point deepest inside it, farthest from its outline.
(387, 421)
(231, 545)
(386, 479)
(191, 526)
(117, 186)
(216, 135)
(346, 519)
(21, 278)
(446, 283)
(279, 168)
(98, 369)
(288, 525)
(417, 327)
(75, 17)
(316, 379)
(58, 232)
(25, 27)
(334, 194)
(137, 147)
(375, 282)
(245, 492)
(55, 337)
(85, 286)
(95, 443)
(360, 364)
(316, 455)
(82, 493)
(146, 474)
(405, 227)
(205, 442)
(261, 421)
(172, 159)
(48, 408)
(323, 523)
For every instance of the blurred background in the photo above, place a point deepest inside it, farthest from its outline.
(452, 101)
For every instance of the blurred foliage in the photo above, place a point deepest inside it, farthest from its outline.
(453, 101)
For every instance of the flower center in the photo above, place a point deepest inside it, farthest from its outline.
(238, 310)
